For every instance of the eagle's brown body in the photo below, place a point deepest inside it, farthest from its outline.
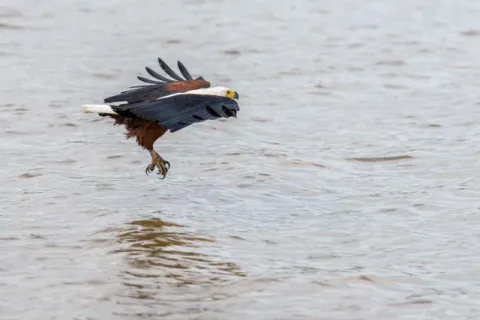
(146, 132)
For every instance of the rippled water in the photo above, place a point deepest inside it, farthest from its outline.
(348, 188)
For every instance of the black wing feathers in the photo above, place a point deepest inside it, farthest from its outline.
(147, 81)
(184, 71)
(169, 70)
(156, 75)
(155, 88)
(180, 111)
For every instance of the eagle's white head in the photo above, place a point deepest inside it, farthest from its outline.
(218, 91)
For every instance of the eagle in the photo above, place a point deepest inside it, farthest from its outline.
(164, 104)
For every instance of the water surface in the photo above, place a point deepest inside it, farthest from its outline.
(347, 188)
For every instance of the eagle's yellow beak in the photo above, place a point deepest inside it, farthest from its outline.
(232, 94)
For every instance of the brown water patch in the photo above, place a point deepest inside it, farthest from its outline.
(9, 238)
(391, 63)
(388, 210)
(36, 236)
(4, 25)
(237, 238)
(413, 302)
(356, 45)
(168, 257)
(244, 185)
(390, 75)
(424, 50)
(15, 132)
(237, 153)
(470, 33)
(66, 161)
(274, 155)
(381, 159)
(156, 223)
(267, 241)
(394, 86)
(300, 163)
(232, 52)
(291, 72)
(102, 75)
(412, 43)
(355, 69)
(258, 119)
(173, 41)
(320, 93)
(30, 175)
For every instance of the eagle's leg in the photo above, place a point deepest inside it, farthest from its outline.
(159, 162)
(147, 132)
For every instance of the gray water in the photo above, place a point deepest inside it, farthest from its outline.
(348, 187)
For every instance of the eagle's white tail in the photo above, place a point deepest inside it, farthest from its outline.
(97, 108)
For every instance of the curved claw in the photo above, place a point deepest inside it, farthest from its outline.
(163, 176)
(162, 171)
(147, 170)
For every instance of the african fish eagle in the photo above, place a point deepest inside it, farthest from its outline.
(149, 111)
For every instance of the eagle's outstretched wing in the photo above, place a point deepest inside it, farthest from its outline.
(160, 87)
(179, 111)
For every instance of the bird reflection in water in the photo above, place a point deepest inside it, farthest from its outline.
(163, 260)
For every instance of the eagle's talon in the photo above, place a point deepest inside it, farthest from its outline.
(158, 162)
